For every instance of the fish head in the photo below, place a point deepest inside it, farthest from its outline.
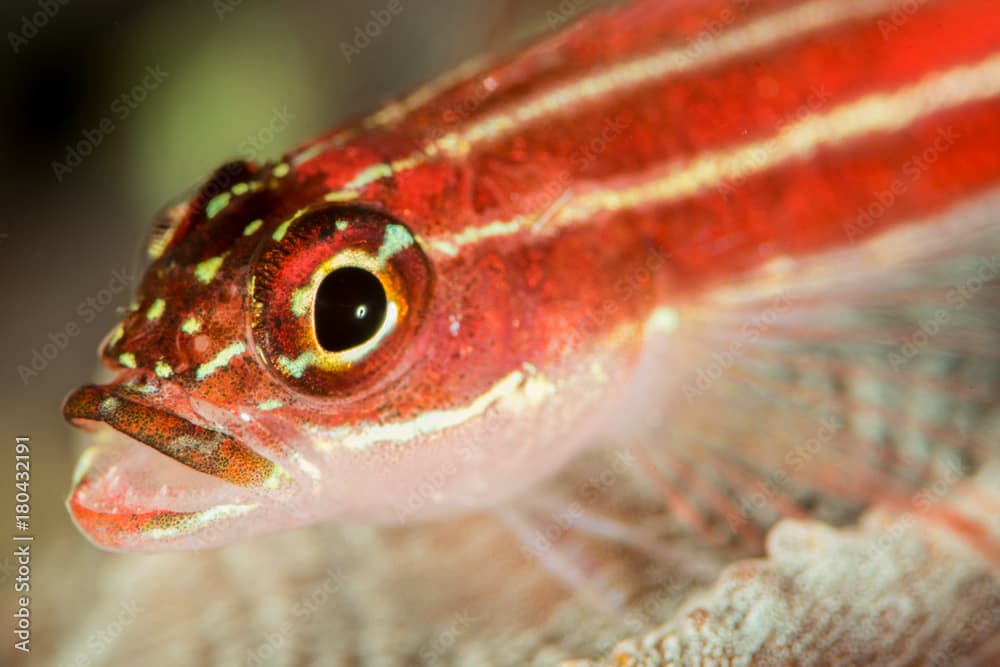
(292, 357)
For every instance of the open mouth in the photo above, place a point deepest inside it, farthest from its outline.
(154, 480)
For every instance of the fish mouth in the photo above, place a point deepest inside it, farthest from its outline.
(154, 480)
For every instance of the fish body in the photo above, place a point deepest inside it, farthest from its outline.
(548, 232)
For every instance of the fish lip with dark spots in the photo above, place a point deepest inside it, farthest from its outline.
(203, 449)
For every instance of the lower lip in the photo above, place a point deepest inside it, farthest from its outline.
(125, 492)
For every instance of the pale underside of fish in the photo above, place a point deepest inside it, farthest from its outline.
(898, 589)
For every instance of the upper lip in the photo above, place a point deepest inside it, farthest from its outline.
(204, 449)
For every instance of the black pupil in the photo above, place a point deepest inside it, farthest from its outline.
(350, 308)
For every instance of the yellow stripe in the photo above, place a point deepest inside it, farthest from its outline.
(426, 423)
(876, 113)
(518, 389)
(759, 34)
(395, 111)
(677, 59)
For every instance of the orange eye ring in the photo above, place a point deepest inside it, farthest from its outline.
(288, 273)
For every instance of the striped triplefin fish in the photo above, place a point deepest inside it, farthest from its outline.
(753, 244)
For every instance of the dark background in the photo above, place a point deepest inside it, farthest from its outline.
(243, 78)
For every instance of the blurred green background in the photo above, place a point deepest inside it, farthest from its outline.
(111, 109)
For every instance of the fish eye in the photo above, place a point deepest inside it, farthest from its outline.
(336, 297)
(349, 310)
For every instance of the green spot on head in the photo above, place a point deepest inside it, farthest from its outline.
(341, 195)
(282, 229)
(192, 325)
(116, 335)
(300, 301)
(216, 204)
(221, 360)
(281, 170)
(163, 369)
(127, 359)
(156, 309)
(371, 174)
(396, 238)
(206, 270)
(253, 227)
(341, 225)
(296, 367)
(240, 189)
(272, 404)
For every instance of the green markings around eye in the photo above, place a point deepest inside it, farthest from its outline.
(252, 228)
(206, 270)
(163, 369)
(127, 359)
(116, 334)
(396, 238)
(191, 325)
(300, 301)
(272, 404)
(216, 204)
(156, 309)
(296, 367)
(221, 360)
(282, 229)
(341, 195)
(341, 225)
